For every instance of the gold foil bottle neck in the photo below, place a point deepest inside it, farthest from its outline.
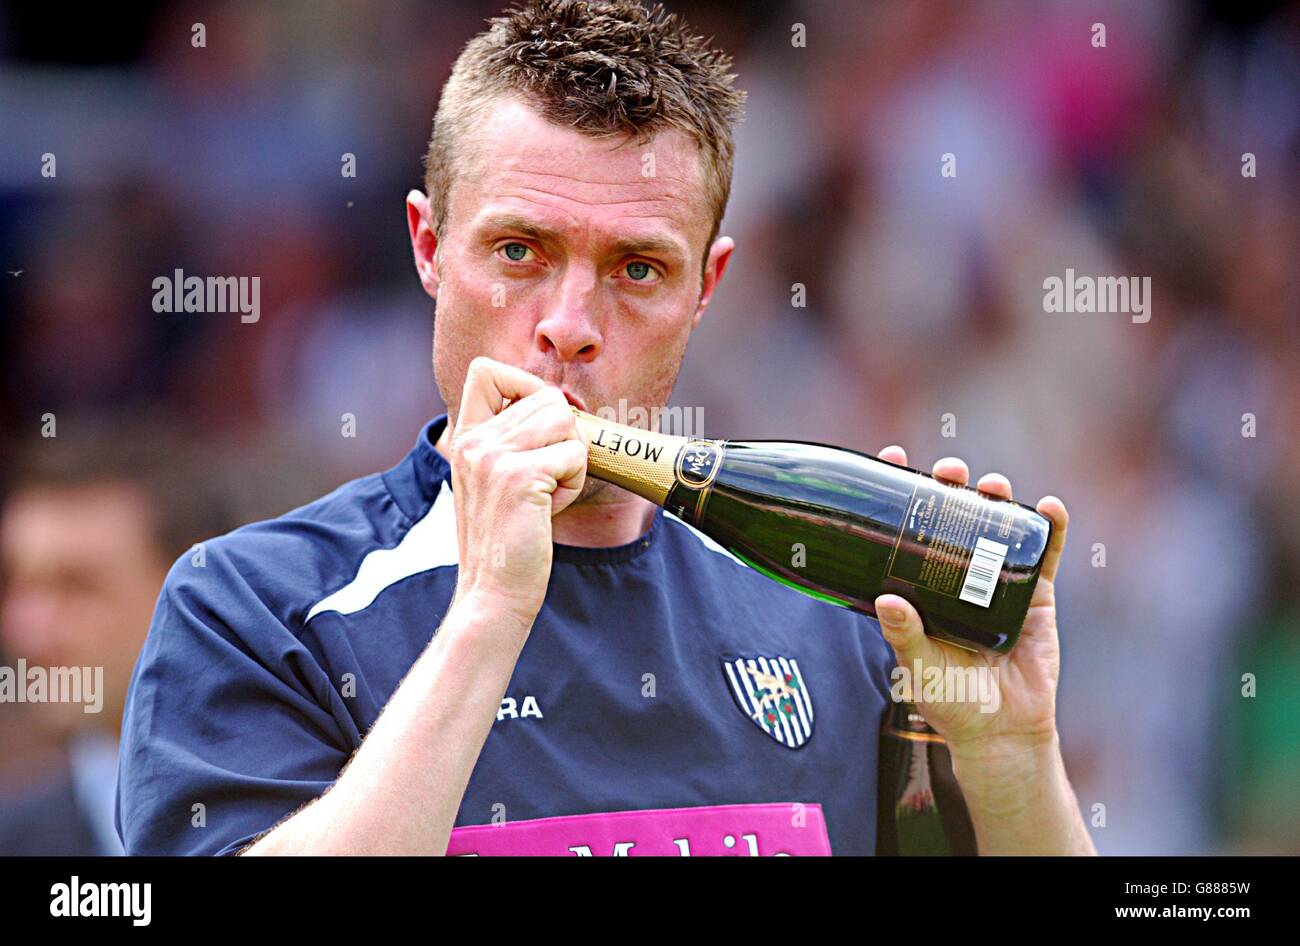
(641, 461)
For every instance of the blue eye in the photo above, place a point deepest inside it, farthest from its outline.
(639, 270)
(515, 251)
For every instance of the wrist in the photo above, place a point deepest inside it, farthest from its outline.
(482, 614)
(1004, 774)
(1006, 750)
(1019, 797)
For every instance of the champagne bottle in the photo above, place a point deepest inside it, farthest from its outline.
(841, 526)
(921, 810)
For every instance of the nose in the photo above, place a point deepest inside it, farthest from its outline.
(570, 328)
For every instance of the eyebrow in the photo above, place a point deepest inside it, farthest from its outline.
(623, 246)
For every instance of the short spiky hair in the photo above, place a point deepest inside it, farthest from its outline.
(601, 67)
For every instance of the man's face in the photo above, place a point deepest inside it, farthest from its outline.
(564, 256)
(81, 575)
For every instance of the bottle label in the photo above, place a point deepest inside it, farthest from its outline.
(982, 574)
(673, 471)
(698, 462)
(696, 468)
(642, 461)
(948, 543)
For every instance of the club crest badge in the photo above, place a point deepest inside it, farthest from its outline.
(773, 695)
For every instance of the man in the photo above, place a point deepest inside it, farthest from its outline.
(87, 531)
(483, 651)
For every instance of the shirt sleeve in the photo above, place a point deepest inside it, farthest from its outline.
(230, 723)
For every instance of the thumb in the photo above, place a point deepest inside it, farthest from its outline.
(902, 629)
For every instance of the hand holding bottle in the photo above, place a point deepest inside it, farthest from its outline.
(1026, 677)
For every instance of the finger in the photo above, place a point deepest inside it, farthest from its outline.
(894, 454)
(902, 628)
(1054, 509)
(565, 466)
(952, 470)
(537, 420)
(489, 386)
(995, 485)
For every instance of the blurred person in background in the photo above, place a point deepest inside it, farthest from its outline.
(88, 529)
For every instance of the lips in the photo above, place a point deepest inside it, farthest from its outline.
(574, 400)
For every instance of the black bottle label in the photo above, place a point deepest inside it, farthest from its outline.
(698, 462)
(949, 543)
(695, 468)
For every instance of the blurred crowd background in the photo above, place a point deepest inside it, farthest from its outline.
(924, 298)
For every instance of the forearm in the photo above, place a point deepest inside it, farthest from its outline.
(1020, 800)
(403, 787)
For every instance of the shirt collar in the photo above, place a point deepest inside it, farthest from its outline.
(414, 483)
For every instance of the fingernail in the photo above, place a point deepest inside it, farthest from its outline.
(891, 614)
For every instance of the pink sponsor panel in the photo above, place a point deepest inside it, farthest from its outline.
(762, 830)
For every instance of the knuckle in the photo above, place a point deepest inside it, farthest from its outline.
(461, 441)
(550, 400)
(471, 451)
(515, 474)
(559, 418)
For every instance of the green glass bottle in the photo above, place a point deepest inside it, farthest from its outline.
(840, 525)
(921, 810)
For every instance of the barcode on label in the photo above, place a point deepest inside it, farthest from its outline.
(982, 575)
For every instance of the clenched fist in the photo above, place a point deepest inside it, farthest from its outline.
(517, 460)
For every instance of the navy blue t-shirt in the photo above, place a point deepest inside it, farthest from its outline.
(669, 700)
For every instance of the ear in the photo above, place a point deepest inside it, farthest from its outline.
(714, 267)
(424, 243)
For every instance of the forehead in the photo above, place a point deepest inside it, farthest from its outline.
(520, 161)
(75, 521)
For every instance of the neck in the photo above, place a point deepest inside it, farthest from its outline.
(603, 515)
(607, 516)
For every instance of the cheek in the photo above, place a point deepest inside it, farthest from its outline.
(466, 324)
(465, 304)
(651, 353)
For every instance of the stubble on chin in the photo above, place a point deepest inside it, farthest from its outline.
(594, 490)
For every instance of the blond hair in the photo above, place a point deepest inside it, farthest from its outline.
(602, 67)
